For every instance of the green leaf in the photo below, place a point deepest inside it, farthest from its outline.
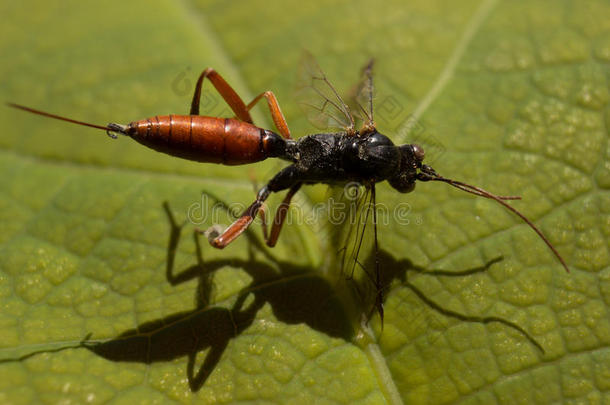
(509, 95)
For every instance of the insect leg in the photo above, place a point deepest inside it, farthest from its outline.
(276, 113)
(225, 90)
(286, 178)
(378, 286)
(280, 216)
(243, 222)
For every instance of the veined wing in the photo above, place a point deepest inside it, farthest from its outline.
(319, 100)
(357, 238)
(362, 95)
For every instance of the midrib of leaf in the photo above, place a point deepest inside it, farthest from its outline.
(475, 22)
(378, 361)
(382, 370)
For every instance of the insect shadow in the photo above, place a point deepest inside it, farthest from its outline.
(396, 273)
(295, 295)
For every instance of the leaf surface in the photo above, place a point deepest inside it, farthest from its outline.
(508, 95)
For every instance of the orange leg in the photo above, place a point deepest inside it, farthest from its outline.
(237, 104)
(242, 223)
(280, 217)
(225, 90)
(276, 113)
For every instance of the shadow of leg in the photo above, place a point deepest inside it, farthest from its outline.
(212, 358)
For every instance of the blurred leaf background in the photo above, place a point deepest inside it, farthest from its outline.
(508, 95)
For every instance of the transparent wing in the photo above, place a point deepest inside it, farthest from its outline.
(357, 202)
(319, 100)
(363, 94)
(354, 226)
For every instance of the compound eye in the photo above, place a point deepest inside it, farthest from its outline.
(418, 152)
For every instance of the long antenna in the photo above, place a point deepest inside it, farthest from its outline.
(110, 128)
(430, 175)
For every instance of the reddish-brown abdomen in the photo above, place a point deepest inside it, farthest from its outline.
(203, 139)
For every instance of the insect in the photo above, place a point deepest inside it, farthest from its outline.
(364, 155)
